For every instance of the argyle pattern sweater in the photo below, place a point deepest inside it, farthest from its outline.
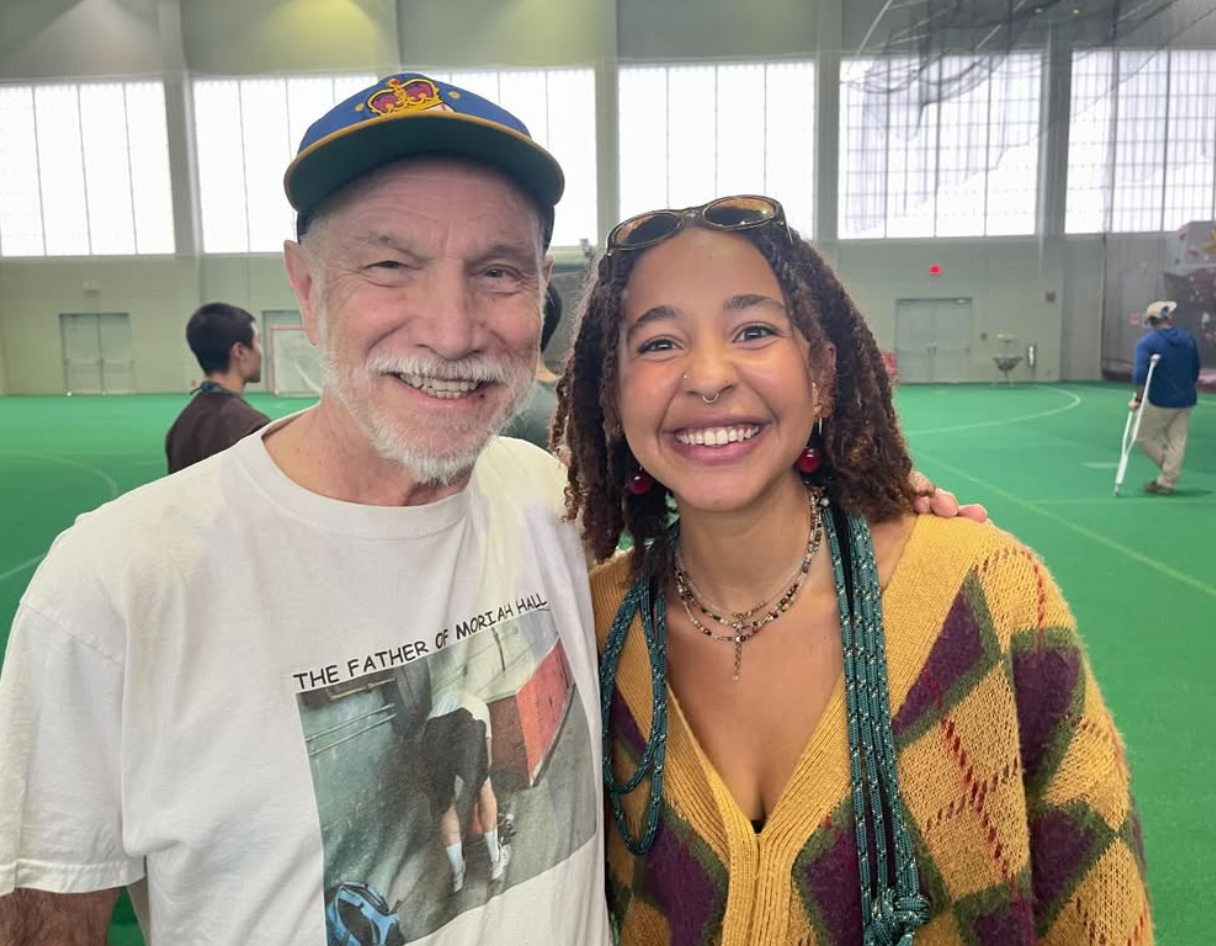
(1012, 775)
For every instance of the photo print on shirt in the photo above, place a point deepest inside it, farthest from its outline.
(446, 771)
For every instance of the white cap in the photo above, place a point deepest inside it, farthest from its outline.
(1159, 310)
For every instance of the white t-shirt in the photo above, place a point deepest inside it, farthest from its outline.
(214, 691)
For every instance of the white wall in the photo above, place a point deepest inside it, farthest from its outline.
(1081, 341)
(1005, 280)
(155, 293)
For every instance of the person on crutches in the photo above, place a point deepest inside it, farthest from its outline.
(1165, 405)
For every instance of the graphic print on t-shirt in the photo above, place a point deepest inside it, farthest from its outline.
(446, 771)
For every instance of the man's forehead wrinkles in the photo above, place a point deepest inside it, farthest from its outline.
(434, 238)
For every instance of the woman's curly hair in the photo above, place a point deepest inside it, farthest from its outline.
(866, 465)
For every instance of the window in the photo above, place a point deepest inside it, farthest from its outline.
(947, 148)
(84, 170)
(248, 131)
(558, 106)
(1142, 140)
(691, 133)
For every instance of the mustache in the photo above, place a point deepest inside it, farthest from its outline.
(477, 368)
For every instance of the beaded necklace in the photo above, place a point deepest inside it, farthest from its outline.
(712, 610)
(742, 627)
(892, 905)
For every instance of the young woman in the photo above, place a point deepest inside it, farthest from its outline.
(827, 720)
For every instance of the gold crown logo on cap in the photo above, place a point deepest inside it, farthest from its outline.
(412, 95)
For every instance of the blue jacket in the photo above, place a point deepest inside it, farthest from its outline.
(1177, 373)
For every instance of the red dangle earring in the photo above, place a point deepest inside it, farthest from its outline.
(640, 483)
(808, 460)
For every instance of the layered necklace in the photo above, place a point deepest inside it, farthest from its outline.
(744, 625)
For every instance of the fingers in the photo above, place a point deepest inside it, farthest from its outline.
(922, 501)
(943, 504)
(974, 511)
(932, 500)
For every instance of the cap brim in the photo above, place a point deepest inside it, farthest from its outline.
(340, 158)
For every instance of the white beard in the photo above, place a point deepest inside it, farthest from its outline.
(429, 464)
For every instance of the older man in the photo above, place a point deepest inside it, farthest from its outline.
(211, 692)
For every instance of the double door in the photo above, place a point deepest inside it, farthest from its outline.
(933, 340)
(97, 356)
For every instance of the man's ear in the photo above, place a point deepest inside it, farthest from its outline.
(303, 283)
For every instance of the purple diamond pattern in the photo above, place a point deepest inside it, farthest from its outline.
(1045, 681)
(1010, 925)
(1060, 849)
(958, 650)
(832, 882)
(680, 887)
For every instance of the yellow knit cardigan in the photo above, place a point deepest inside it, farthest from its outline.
(1011, 771)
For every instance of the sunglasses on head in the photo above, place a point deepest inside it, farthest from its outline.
(742, 212)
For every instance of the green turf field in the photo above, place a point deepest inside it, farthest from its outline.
(1139, 571)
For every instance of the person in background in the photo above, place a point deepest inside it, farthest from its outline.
(224, 339)
(1171, 398)
(532, 422)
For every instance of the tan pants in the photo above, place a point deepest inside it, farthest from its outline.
(1162, 437)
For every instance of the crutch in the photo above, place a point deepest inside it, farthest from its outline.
(1133, 425)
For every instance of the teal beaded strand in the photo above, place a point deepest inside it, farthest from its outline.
(636, 601)
(890, 917)
(857, 738)
(908, 908)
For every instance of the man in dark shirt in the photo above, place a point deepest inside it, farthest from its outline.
(224, 339)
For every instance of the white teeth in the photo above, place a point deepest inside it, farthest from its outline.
(717, 436)
(441, 388)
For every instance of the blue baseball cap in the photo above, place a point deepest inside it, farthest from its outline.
(410, 114)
